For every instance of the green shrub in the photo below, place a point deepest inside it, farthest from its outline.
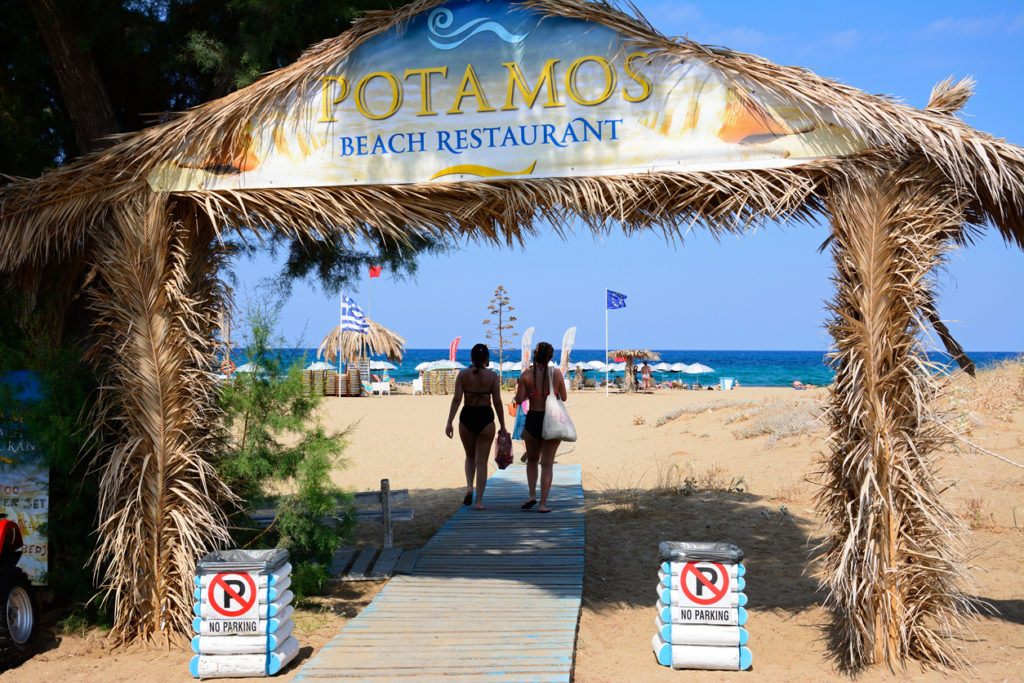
(272, 438)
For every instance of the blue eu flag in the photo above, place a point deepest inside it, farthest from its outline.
(615, 300)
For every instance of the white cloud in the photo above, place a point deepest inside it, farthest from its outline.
(671, 17)
(841, 41)
(978, 26)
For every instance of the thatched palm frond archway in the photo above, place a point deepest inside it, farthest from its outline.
(926, 180)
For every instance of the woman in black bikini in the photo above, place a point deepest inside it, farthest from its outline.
(476, 421)
(533, 383)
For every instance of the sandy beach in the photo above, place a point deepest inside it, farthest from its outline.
(673, 465)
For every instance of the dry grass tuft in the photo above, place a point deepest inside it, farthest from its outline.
(781, 419)
(790, 493)
(634, 495)
(701, 408)
(978, 514)
(997, 392)
(639, 419)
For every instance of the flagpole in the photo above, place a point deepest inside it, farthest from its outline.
(341, 306)
(606, 342)
(362, 345)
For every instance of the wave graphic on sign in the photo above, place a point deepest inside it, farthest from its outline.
(442, 18)
(482, 171)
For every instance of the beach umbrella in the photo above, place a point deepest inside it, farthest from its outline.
(378, 341)
(662, 367)
(631, 355)
(509, 365)
(244, 367)
(440, 365)
(595, 365)
(697, 369)
(679, 367)
(382, 365)
(319, 365)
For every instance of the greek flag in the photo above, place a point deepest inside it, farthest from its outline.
(352, 318)
(615, 300)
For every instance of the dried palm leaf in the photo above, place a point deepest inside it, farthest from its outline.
(159, 497)
(894, 563)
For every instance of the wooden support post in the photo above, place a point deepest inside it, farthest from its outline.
(893, 568)
(385, 506)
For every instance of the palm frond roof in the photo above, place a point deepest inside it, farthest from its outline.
(632, 354)
(378, 341)
(51, 216)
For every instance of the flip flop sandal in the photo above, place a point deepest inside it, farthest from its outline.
(543, 512)
(527, 505)
(468, 499)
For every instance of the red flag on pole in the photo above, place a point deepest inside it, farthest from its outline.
(375, 271)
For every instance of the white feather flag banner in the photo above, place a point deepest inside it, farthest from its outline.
(527, 343)
(568, 339)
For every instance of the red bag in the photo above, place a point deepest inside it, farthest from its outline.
(503, 450)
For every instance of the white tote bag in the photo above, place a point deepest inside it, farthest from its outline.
(557, 424)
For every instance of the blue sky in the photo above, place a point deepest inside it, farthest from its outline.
(765, 290)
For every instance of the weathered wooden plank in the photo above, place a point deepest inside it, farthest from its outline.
(407, 561)
(373, 497)
(342, 559)
(361, 564)
(494, 595)
(397, 515)
(385, 564)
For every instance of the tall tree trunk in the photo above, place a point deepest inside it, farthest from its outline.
(80, 82)
(157, 306)
(894, 565)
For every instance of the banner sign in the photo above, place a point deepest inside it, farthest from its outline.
(484, 90)
(24, 477)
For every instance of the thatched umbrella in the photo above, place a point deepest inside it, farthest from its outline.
(378, 341)
(145, 264)
(630, 355)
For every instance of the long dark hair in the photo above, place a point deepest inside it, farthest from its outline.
(542, 354)
(480, 356)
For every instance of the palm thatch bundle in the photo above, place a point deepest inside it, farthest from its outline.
(632, 355)
(894, 564)
(146, 263)
(378, 341)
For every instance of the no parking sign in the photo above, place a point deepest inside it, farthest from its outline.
(704, 583)
(233, 595)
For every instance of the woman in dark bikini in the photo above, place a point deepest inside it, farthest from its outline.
(480, 388)
(533, 383)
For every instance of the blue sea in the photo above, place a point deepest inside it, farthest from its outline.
(750, 368)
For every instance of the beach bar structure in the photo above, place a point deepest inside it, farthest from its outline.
(631, 356)
(408, 125)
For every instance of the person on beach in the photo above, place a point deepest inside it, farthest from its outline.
(480, 388)
(534, 385)
(645, 371)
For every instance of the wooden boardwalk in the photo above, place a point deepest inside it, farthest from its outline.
(495, 595)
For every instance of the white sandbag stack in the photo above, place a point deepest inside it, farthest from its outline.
(243, 614)
(701, 607)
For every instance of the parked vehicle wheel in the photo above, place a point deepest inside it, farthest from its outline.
(20, 617)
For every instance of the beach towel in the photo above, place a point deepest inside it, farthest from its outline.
(517, 429)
